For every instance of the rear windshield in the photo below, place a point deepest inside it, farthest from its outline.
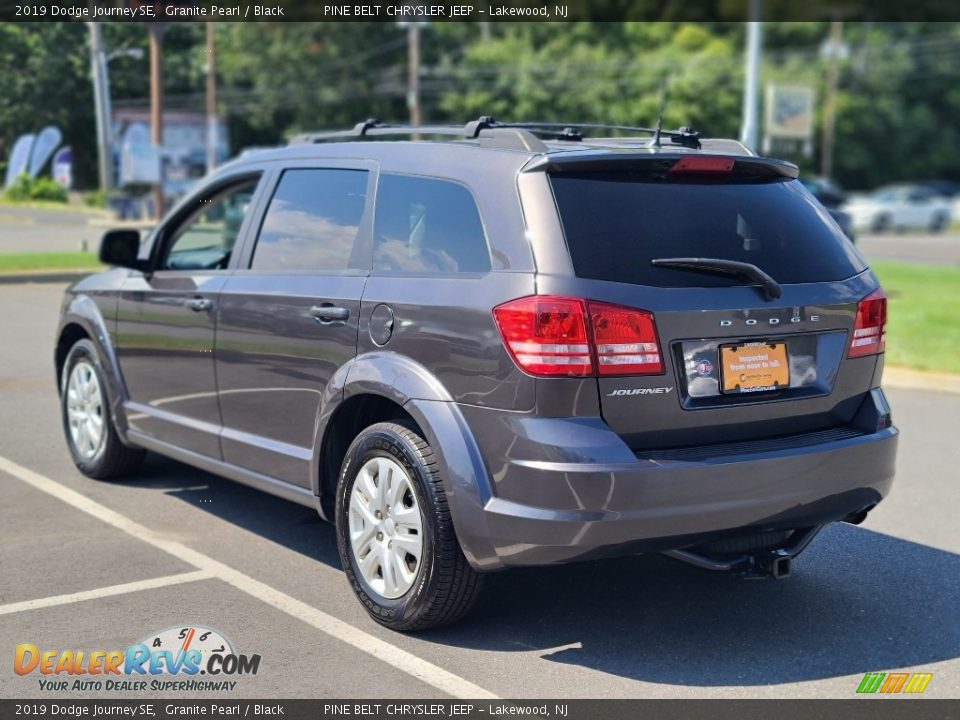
(615, 224)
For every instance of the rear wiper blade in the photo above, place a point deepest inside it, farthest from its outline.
(771, 287)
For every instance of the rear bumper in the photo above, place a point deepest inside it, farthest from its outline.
(568, 489)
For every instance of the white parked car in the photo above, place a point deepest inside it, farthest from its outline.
(898, 207)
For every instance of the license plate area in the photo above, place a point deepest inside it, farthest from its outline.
(753, 367)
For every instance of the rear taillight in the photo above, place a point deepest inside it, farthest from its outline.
(546, 335)
(554, 336)
(625, 340)
(869, 330)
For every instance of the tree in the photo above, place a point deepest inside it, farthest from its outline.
(46, 82)
(896, 106)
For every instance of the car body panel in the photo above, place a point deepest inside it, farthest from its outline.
(464, 354)
(569, 488)
(273, 361)
(165, 354)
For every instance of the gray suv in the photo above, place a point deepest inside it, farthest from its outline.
(497, 345)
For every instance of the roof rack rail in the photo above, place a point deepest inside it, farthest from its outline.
(522, 135)
(513, 137)
(373, 126)
(685, 136)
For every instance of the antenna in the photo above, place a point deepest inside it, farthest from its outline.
(655, 142)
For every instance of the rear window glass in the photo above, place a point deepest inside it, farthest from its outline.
(615, 224)
(427, 226)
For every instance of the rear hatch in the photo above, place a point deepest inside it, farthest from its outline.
(753, 291)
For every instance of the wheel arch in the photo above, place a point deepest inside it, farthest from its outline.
(82, 319)
(386, 386)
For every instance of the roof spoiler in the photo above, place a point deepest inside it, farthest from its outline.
(658, 163)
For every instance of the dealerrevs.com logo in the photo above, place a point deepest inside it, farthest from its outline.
(184, 653)
(894, 683)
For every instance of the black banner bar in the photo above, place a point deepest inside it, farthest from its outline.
(471, 10)
(864, 708)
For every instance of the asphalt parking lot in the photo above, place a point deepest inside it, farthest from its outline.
(188, 548)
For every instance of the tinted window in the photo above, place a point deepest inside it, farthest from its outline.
(616, 224)
(425, 225)
(312, 221)
(206, 239)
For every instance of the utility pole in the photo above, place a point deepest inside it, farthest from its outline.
(833, 51)
(211, 102)
(413, 72)
(101, 108)
(485, 24)
(156, 107)
(749, 126)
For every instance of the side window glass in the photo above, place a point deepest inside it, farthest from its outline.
(205, 240)
(312, 221)
(426, 225)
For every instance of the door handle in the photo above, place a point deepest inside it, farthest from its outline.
(327, 314)
(199, 304)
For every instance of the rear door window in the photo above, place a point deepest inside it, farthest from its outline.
(312, 221)
(615, 224)
(425, 225)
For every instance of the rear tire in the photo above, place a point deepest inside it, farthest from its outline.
(938, 224)
(390, 506)
(882, 223)
(94, 445)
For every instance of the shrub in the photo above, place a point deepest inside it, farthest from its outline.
(45, 188)
(19, 191)
(25, 189)
(97, 199)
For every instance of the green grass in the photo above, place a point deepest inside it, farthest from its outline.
(48, 261)
(66, 207)
(923, 326)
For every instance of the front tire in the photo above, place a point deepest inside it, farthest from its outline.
(394, 533)
(94, 445)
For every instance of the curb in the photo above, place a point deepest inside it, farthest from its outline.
(904, 379)
(112, 224)
(53, 276)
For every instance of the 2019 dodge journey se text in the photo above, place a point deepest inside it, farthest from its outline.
(499, 345)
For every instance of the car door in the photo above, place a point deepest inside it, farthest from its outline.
(166, 318)
(916, 208)
(288, 319)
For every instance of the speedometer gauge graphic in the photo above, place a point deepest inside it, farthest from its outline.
(182, 639)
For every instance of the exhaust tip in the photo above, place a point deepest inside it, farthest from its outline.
(855, 518)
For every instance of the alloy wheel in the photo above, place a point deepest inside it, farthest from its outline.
(386, 527)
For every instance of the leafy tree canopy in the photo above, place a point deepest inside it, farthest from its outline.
(897, 102)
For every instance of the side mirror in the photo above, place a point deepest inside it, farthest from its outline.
(121, 248)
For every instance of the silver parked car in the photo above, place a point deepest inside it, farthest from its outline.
(900, 207)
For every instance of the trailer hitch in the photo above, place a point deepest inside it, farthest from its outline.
(756, 565)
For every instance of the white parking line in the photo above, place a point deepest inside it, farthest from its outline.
(103, 592)
(407, 662)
